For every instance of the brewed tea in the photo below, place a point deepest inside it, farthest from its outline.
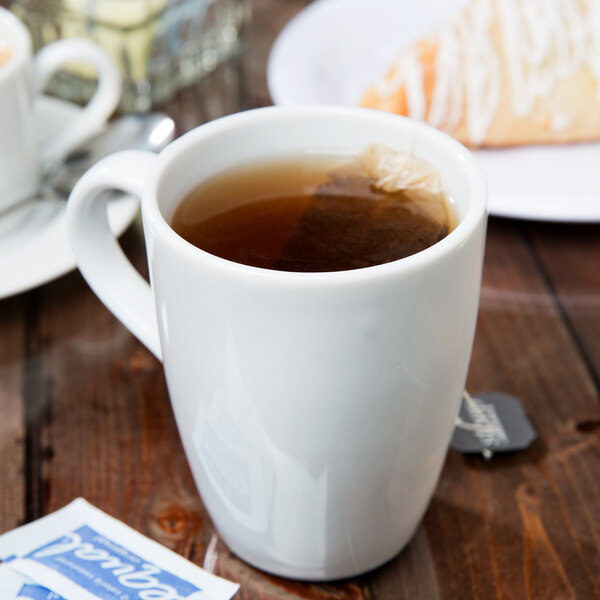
(309, 214)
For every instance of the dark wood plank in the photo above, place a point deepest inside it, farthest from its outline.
(522, 321)
(569, 255)
(269, 18)
(12, 412)
(256, 585)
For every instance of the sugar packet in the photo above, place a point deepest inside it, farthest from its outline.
(81, 553)
(14, 586)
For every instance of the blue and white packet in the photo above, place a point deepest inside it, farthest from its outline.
(14, 586)
(81, 553)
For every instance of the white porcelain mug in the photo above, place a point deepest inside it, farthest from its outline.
(22, 160)
(315, 408)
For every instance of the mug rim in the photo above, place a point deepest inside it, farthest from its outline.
(473, 174)
(19, 42)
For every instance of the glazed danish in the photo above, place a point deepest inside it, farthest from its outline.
(503, 72)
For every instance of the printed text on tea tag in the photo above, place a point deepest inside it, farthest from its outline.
(492, 422)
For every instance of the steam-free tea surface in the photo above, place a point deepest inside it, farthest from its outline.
(311, 214)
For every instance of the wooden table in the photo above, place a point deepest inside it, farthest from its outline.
(84, 411)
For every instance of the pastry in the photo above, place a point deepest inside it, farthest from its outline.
(503, 73)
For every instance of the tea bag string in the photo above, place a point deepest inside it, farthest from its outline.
(486, 426)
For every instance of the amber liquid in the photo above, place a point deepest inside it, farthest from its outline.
(308, 215)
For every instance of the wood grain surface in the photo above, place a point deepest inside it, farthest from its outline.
(84, 411)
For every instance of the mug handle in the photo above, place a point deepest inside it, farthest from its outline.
(94, 115)
(99, 257)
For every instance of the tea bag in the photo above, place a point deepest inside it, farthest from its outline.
(394, 171)
(377, 209)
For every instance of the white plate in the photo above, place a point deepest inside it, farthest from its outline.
(332, 50)
(34, 246)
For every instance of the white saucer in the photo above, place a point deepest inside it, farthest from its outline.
(34, 246)
(332, 50)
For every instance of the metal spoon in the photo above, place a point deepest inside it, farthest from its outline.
(151, 131)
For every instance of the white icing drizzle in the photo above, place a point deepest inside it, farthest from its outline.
(483, 84)
(560, 122)
(543, 41)
(447, 100)
(593, 24)
(408, 73)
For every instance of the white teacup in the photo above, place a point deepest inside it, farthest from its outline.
(22, 160)
(315, 408)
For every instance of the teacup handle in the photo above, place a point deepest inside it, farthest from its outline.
(99, 257)
(94, 115)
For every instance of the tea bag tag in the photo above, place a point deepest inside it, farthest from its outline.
(492, 422)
